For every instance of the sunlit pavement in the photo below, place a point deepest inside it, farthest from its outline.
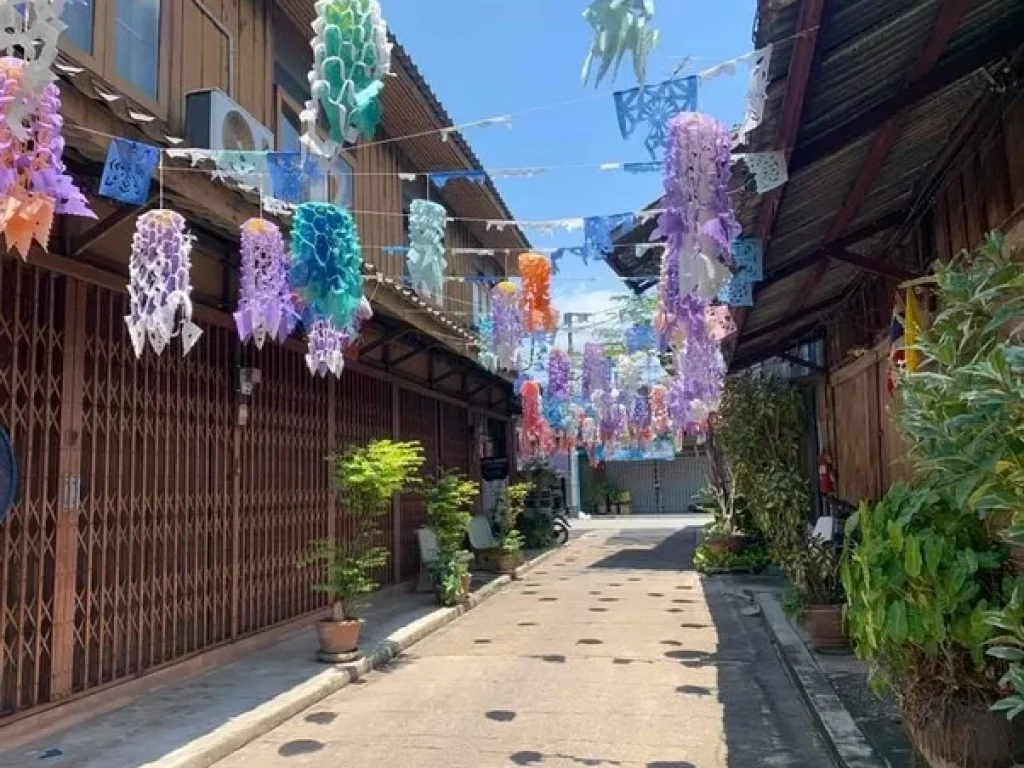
(612, 653)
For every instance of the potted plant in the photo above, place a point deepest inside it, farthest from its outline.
(509, 509)
(449, 499)
(366, 480)
(816, 595)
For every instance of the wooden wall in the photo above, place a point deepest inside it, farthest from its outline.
(378, 190)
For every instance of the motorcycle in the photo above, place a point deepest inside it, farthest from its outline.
(562, 526)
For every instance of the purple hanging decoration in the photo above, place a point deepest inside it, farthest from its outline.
(266, 305)
(597, 371)
(507, 324)
(700, 371)
(159, 283)
(655, 106)
(599, 233)
(698, 224)
(326, 343)
(556, 394)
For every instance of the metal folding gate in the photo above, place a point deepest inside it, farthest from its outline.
(660, 487)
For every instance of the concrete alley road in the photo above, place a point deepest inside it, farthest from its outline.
(611, 653)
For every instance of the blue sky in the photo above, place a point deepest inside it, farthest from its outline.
(490, 57)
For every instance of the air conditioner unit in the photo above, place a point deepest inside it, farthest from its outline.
(215, 121)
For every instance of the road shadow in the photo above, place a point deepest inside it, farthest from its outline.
(652, 551)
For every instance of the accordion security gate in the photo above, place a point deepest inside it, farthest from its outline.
(148, 525)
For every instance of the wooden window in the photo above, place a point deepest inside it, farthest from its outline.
(340, 186)
(124, 41)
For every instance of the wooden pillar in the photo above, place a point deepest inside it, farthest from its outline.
(69, 492)
(332, 448)
(396, 503)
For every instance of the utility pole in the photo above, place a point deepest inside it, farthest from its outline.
(574, 464)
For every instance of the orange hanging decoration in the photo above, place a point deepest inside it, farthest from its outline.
(535, 301)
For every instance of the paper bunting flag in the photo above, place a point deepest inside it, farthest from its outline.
(351, 57)
(159, 283)
(654, 167)
(655, 105)
(128, 172)
(757, 93)
(620, 27)
(327, 263)
(441, 178)
(599, 232)
(291, 175)
(737, 293)
(425, 258)
(33, 181)
(266, 306)
(769, 169)
(748, 260)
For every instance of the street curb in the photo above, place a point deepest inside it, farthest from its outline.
(242, 730)
(843, 736)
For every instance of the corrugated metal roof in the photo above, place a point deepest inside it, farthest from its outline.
(867, 53)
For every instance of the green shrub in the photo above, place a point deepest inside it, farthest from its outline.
(748, 560)
(449, 499)
(507, 513)
(367, 480)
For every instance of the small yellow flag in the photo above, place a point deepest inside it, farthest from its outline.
(914, 323)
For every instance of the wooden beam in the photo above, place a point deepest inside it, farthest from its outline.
(447, 375)
(881, 224)
(777, 350)
(875, 267)
(802, 65)
(101, 229)
(1007, 38)
(410, 355)
(795, 360)
(789, 319)
(389, 336)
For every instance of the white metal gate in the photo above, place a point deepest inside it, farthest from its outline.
(660, 487)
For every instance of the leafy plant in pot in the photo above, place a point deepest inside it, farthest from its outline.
(921, 579)
(449, 499)
(366, 480)
(816, 594)
(507, 512)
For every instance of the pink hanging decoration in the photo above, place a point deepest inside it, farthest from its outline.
(506, 324)
(660, 421)
(266, 305)
(33, 183)
(537, 438)
(719, 321)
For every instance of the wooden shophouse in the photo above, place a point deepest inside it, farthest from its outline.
(161, 511)
(903, 121)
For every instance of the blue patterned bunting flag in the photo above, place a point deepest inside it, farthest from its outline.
(291, 177)
(655, 105)
(128, 172)
(748, 260)
(737, 293)
(599, 234)
(440, 178)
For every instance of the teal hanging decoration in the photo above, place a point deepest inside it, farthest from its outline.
(620, 26)
(327, 263)
(425, 258)
(351, 57)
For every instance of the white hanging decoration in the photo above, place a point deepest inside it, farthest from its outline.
(160, 285)
(29, 30)
(757, 93)
(769, 169)
(425, 257)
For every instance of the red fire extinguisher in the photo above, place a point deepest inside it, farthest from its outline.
(826, 482)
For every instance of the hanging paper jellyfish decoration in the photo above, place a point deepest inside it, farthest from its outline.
(538, 439)
(160, 286)
(506, 323)
(487, 356)
(640, 417)
(327, 263)
(535, 299)
(326, 343)
(698, 224)
(556, 395)
(351, 58)
(597, 370)
(30, 31)
(660, 421)
(425, 257)
(628, 374)
(640, 338)
(266, 306)
(620, 27)
(33, 183)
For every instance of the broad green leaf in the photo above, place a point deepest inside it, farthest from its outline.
(912, 556)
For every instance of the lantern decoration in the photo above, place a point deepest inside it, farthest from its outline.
(351, 57)
(160, 286)
(629, 375)
(327, 263)
(556, 396)
(425, 257)
(30, 30)
(660, 422)
(507, 325)
(33, 183)
(597, 370)
(536, 434)
(535, 299)
(590, 437)
(488, 359)
(326, 343)
(640, 417)
(266, 306)
(698, 223)
(620, 27)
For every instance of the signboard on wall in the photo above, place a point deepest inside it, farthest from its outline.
(494, 469)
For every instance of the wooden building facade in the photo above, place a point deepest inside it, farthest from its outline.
(161, 511)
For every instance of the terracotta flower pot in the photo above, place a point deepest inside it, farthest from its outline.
(966, 735)
(467, 582)
(338, 639)
(507, 562)
(824, 627)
